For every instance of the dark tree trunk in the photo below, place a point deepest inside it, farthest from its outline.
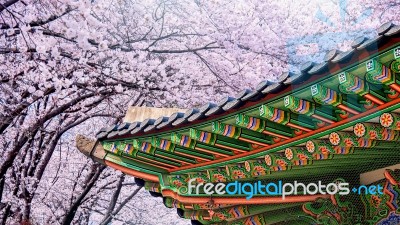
(113, 201)
(6, 214)
(115, 212)
(92, 178)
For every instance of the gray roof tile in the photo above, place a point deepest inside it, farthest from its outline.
(385, 28)
(190, 112)
(282, 77)
(179, 121)
(370, 43)
(136, 130)
(262, 85)
(306, 66)
(271, 88)
(251, 96)
(196, 116)
(149, 128)
(242, 93)
(214, 110)
(104, 129)
(393, 31)
(294, 78)
(130, 128)
(123, 126)
(147, 122)
(225, 100)
(160, 120)
(343, 56)
(231, 104)
(176, 116)
(331, 55)
(111, 128)
(358, 41)
(318, 68)
(112, 134)
(101, 135)
(171, 119)
(204, 108)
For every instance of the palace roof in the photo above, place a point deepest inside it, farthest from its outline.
(339, 119)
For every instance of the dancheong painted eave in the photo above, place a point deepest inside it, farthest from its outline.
(333, 121)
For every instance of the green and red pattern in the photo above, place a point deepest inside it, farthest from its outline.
(257, 167)
(155, 187)
(234, 212)
(378, 73)
(237, 171)
(395, 66)
(200, 177)
(298, 156)
(225, 130)
(343, 150)
(320, 149)
(276, 163)
(163, 144)
(298, 105)
(129, 150)
(178, 183)
(203, 136)
(274, 115)
(390, 121)
(144, 146)
(345, 139)
(173, 203)
(325, 96)
(351, 84)
(250, 122)
(375, 132)
(110, 146)
(218, 175)
(183, 140)
(252, 220)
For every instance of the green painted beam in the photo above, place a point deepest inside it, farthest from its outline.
(194, 153)
(133, 165)
(214, 149)
(153, 157)
(294, 143)
(175, 156)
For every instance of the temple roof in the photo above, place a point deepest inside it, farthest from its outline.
(335, 119)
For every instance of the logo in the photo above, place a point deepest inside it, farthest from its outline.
(279, 188)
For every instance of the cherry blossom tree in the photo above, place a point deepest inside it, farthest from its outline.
(69, 67)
